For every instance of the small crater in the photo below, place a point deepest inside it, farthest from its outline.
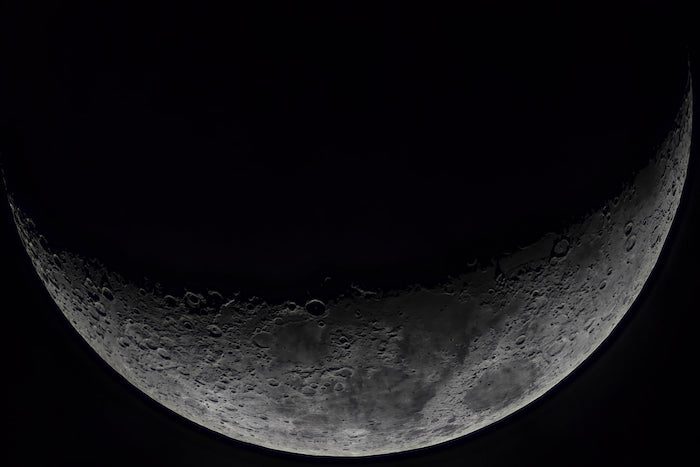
(629, 243)
(315, 307)
(151, 343)
(561, 248)
(344, 372)
(193, 299)
(214, 330)
(263, 339)
(555, 348)
(100, 308)
(170, 301)
(107, 293)
(215, 298)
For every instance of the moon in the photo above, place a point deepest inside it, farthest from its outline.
(378, 371)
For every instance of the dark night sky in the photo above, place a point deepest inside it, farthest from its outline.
(631, 403)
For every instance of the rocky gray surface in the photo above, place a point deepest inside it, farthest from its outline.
(378, 371)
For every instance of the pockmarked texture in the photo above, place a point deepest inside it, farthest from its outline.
(378, 371)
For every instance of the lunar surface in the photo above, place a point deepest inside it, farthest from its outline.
(378, 371)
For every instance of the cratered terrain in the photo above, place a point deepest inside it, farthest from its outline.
(375, 372)
(184, 178)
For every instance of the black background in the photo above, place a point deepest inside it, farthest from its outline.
(632, 402)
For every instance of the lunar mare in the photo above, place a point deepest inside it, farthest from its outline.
(374, 372)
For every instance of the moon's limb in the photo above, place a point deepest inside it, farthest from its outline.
(385, 371)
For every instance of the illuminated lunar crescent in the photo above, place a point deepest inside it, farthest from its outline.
(383, 371)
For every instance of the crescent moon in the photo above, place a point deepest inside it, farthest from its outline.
(376, 372)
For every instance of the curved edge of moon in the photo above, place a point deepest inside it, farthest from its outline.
(376, 372)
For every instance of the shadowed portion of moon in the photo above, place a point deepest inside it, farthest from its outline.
(232, 148)
(378, 371)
